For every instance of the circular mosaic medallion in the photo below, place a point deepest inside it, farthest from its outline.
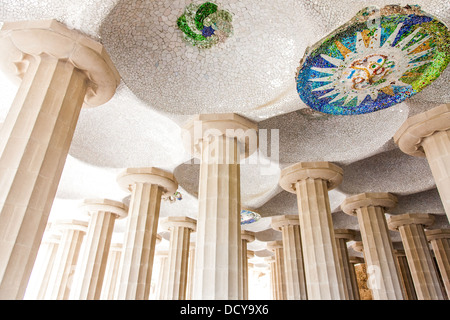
(205, 25)
(248, 216)
(376, 60)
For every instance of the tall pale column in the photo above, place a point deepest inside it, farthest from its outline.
(405, 275)
(423, 272)
(219, 141)
(147, 186)
(163, 257)
(72, 234)
(382, 268)
(440, 243)
(88, 280)
(191, 267)
(353, 279)
(246, 237)
(177, 264)
(59, 69)
(279, 289)
(342, 236)
(311, 182)
(49, 246)
(289, 226)
(428, 135)
(111, 272)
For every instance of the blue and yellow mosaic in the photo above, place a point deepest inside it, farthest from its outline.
(378, 59)
(205, 25)
(248, 216)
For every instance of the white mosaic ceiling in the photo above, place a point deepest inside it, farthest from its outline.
(165, 81)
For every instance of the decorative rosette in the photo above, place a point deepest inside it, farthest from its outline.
(378, 59)
(204, 25)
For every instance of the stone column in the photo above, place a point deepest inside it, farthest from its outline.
(342, 236)
(423, 272)
(382, 269)
(191, 267)
(88, 280)
(162, 277)
(353, 279)
(311, 182)
(428, 135)
(405, 273)
(49, 246)
(72, 234)
(246, 237)
(59, 69)
(440, 242)
(147, 186)
(111, 272)
(289, 226)
(219, 141)
(278, 267)
(177, 264)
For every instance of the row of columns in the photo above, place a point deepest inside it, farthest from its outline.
(60, 70)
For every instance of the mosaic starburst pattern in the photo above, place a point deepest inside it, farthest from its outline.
(205, 25)
(248, 216)
(378, 59)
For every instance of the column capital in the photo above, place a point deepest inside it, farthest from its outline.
(21, 39)
(412, 132)
(93, 205)
(250, 254)
(358, 246)
(425, 219)
(151, 175)
(248, 236)
(175, 221)
(315, 170)
(273, 245)
(230, 125)
(285, 220)
(375, 199)
(347, 234)
(71, 224)
(435, 234)
(399, 253)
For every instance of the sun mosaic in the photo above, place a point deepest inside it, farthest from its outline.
(378, 59)
(205, 25)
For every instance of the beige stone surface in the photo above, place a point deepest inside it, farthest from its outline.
(67, 256)
(90, 272)
(289, 225)
(428, 134)
(178, 256)
(278, 271)
(440, 243)
(58, 69)
(382, 269)
(149, 185)
(348, 272)
(111, 272)
(311, 182)
(246, 237)
(405, 274)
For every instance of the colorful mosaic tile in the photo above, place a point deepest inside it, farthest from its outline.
(204, 25)
(378, 59)
(248, 216)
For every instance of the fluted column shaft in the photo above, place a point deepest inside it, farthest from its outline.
(50, 248)
(342, 236)
(190, 277)
(405, 273)
(218, 263)
(418, 254)
(440, 243)
(163, 257)
(59, 70)
(353, 278)
(428, 134)
(110, 280)
(293, 258)
(177, 264)
(66, 259)
(382, 268)
(88, 280)
(279, 270)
